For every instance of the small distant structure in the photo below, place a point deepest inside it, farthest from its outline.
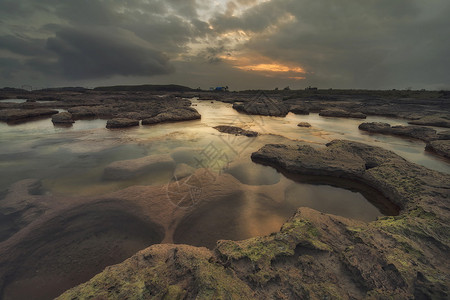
(310, 88)
(219, 89)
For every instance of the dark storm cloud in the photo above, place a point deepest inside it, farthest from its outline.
(369, 44)
(23, 45)
(349, 43)
(97, 39)
(98, 53)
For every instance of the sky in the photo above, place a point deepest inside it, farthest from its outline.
(243, 44)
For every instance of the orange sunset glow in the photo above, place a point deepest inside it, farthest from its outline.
(265, 66)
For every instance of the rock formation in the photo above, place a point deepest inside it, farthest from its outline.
(121, 123)
(236, 130)
(417, 132)
(62, 118)
(304, 124)
(19, 115)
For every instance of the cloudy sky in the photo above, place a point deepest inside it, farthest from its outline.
(378, 44)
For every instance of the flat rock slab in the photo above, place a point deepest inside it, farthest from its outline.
(340, 113)
(10, 115)
(121, 123)
(173, 115)
(434, 120)
(440, 147)
(417, 132)
(304, 124)
(125, 169)
(263, 105)
(236, 130)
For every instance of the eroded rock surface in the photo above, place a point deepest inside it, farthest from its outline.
(16, 115)
(440, 147)
(173, 115)
(236, 130)
(433, 120)
(62, 118)
(263, 105)
(314, 255)
(121, 123)
(417, 132)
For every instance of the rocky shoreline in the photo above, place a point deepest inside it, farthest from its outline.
(314, 255)
(426, 108)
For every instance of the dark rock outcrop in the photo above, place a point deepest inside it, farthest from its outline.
(15, 115)
(340, 113)
(173, 115)
(121, 123)
(236, 130)
(440, 147)
(417, 132)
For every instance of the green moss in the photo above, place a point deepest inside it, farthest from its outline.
(264, 249)
(174, 292)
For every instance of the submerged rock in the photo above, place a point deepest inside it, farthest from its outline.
(11, 115)
(173, 115)
(125, 169)
(340, 113)
(440, 147)
(62, 118)
(236, 130)
(183, 170)
(304, 124)
(417, 132)
(121, 123)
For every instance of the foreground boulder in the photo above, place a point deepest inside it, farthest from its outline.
(340, 113)
(62, 118)
(173, 115)
(121, 123)
(314, 255)
(417, 132)
(15, 115)
(236, 130)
